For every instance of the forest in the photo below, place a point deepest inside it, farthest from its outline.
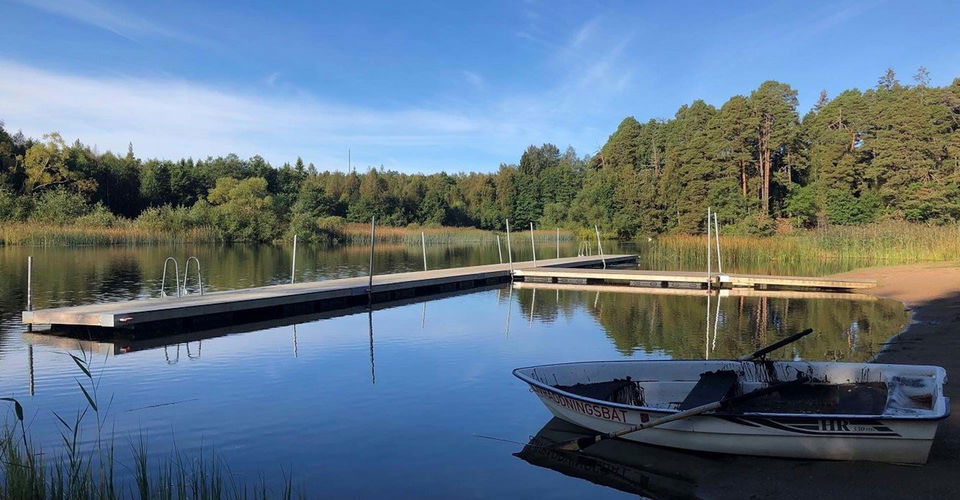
(891, 152)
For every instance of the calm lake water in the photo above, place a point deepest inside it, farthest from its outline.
(383, 403)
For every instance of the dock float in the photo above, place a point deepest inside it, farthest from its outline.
(244, 305)
(686, 279)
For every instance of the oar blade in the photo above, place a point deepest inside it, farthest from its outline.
(580, 444)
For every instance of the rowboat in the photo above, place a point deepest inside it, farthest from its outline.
(839, 411)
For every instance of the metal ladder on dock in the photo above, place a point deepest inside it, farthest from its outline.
(181, 286)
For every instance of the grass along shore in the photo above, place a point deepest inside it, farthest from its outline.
(884, 242)
(890, 242)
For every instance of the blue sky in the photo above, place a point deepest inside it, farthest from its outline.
(428, 86)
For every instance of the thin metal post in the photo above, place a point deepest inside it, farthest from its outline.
(423, 243)
(709, 263)
(32, 386)
(599, 247)
(293, 266)
(716, 236)
(706, 341)
(558, 242)
(373, 240)
(373, 367)
(30, 293)
(533, 244)
(509, 249)
(499, 249)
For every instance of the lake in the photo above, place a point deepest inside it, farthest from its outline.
(389, 402)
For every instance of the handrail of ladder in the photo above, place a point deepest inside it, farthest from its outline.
(176, 277)
(186, 271)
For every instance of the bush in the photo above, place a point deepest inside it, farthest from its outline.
(243, 210)
(753, 225)
(13, 208)
(99, 216)
(845, 209)
(167, 218)
(802, 208)
(60, 206)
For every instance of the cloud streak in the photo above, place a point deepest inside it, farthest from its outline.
(165, 118)
(114, 18)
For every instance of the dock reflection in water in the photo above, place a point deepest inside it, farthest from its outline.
(285, 391)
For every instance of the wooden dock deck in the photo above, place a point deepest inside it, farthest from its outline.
(688, 279)
(298, 298)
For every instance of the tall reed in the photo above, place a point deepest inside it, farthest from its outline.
(883, 243)
(36, 234)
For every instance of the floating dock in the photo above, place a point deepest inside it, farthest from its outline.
(686, 279)
(245, 305)
(696, 292)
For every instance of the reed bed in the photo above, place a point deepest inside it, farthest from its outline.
(36, 234)
(881, 243)
(359, 234)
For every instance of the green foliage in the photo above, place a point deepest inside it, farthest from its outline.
(755, 224)
(59, 206)
(243, 210)
(845, 209)
(13, 208)
(802, 207)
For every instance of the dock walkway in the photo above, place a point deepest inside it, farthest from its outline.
(296, 298)
(667, 279)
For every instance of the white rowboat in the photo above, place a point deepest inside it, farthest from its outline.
(847, 411)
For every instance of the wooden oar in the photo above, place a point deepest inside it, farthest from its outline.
(579, 444)
(776, 345)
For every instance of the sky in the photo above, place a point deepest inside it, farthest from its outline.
(428, 86)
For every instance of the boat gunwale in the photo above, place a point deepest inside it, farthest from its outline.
(881, 416)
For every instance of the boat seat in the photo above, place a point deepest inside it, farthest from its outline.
(712, 387)
(622, 391)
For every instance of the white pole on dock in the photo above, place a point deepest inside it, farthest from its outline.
(716, 236)
(558, 242)
(499, 249)
(709, 263)
(533, 244)
(293, 267)
(373, 240)
(509, 249)
(30, 289)
(423, 243)
(599, 247)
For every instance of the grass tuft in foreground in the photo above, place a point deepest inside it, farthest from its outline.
(85, 469)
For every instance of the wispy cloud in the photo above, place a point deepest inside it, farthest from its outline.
(474, 79)
(113, 18)
(172, 118)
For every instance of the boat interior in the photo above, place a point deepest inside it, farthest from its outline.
(858, 389)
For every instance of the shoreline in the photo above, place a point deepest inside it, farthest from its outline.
(932, 294)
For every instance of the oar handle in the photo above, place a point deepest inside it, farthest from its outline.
(776, 345)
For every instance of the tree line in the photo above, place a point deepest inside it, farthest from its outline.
(888, 152)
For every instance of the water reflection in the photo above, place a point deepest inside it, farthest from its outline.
(401, 370)
(663, 322)
(665, 473)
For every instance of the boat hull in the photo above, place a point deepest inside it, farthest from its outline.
(800, 436)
